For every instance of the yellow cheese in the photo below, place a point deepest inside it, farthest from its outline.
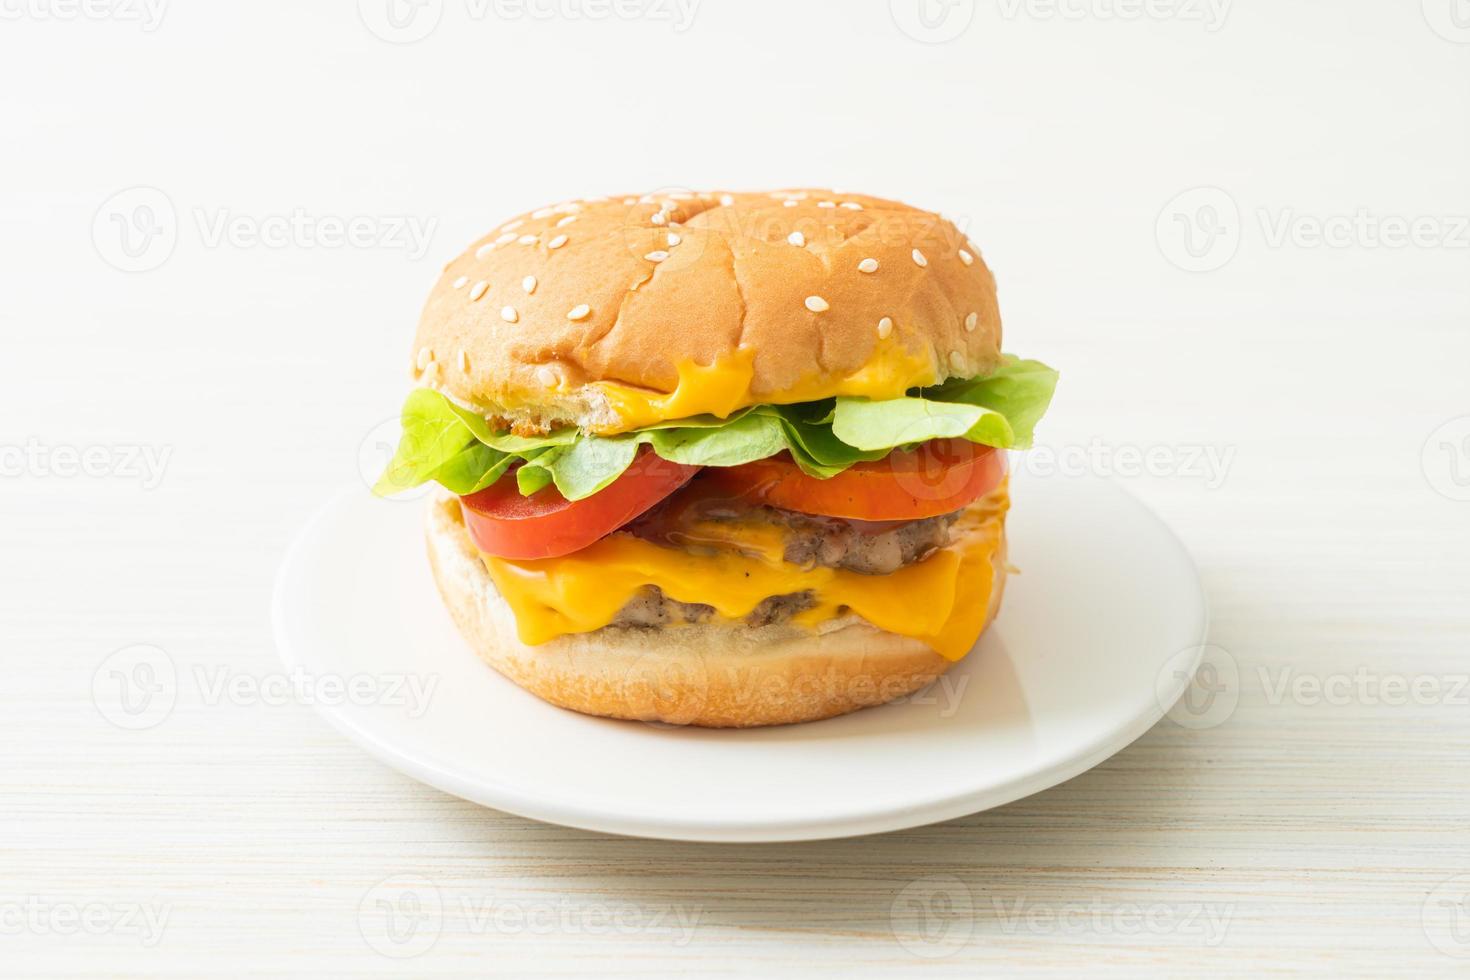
(941, 601)
(724, 387)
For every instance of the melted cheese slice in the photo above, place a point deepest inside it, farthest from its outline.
(942, 601)
(724, 387)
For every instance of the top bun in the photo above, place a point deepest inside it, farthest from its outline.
(590, 312)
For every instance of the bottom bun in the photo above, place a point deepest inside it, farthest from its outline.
(721, 675)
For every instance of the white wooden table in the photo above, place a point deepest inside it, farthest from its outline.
(1318, 820)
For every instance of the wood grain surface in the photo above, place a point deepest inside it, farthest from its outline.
(1316, 819)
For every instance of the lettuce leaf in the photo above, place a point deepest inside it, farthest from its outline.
(908, 421)
(458, 449)
(473, 468)
(745, 440)
(532, 477)
(814, 446)
(433, 434)
(1019, 390)
(590, 464)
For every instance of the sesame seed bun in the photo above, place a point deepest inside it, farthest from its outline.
(803, 290)
(721, 675)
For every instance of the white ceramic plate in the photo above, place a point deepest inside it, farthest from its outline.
(1096, 639)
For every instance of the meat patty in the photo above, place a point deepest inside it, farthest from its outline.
(810, 541)
(859, 546)
(650, 608)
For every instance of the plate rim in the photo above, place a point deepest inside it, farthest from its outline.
(489, 792)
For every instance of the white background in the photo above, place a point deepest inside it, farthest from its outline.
(1327, 830)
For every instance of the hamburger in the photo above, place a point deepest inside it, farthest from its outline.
(718, 459)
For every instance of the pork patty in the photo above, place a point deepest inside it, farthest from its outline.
(650, 608)
(870, 549)
(858, 546)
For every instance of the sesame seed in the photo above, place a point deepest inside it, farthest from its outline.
(852, 205)
(797, 238)
(817, 304)
(868, 265)
(566, 221)
(478, 290)
(546, 376)
(506, 239)
(885, 327)
(512, 226)
(540, 213)
(460, 282)
(629, 201)
(509, 314)
(826, 204)
(579, 312)
(957, 360)
(529, 284)
(919, 259)
(425, 356)
(971, 321)
(464, 361)
(726, 200)
(657, 256)
(527, 239)
(557, 242)
(788, 204)
(659, 218)
(966, 257)
(674, 239)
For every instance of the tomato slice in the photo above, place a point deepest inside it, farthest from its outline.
(936, 478)
(501, 522)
